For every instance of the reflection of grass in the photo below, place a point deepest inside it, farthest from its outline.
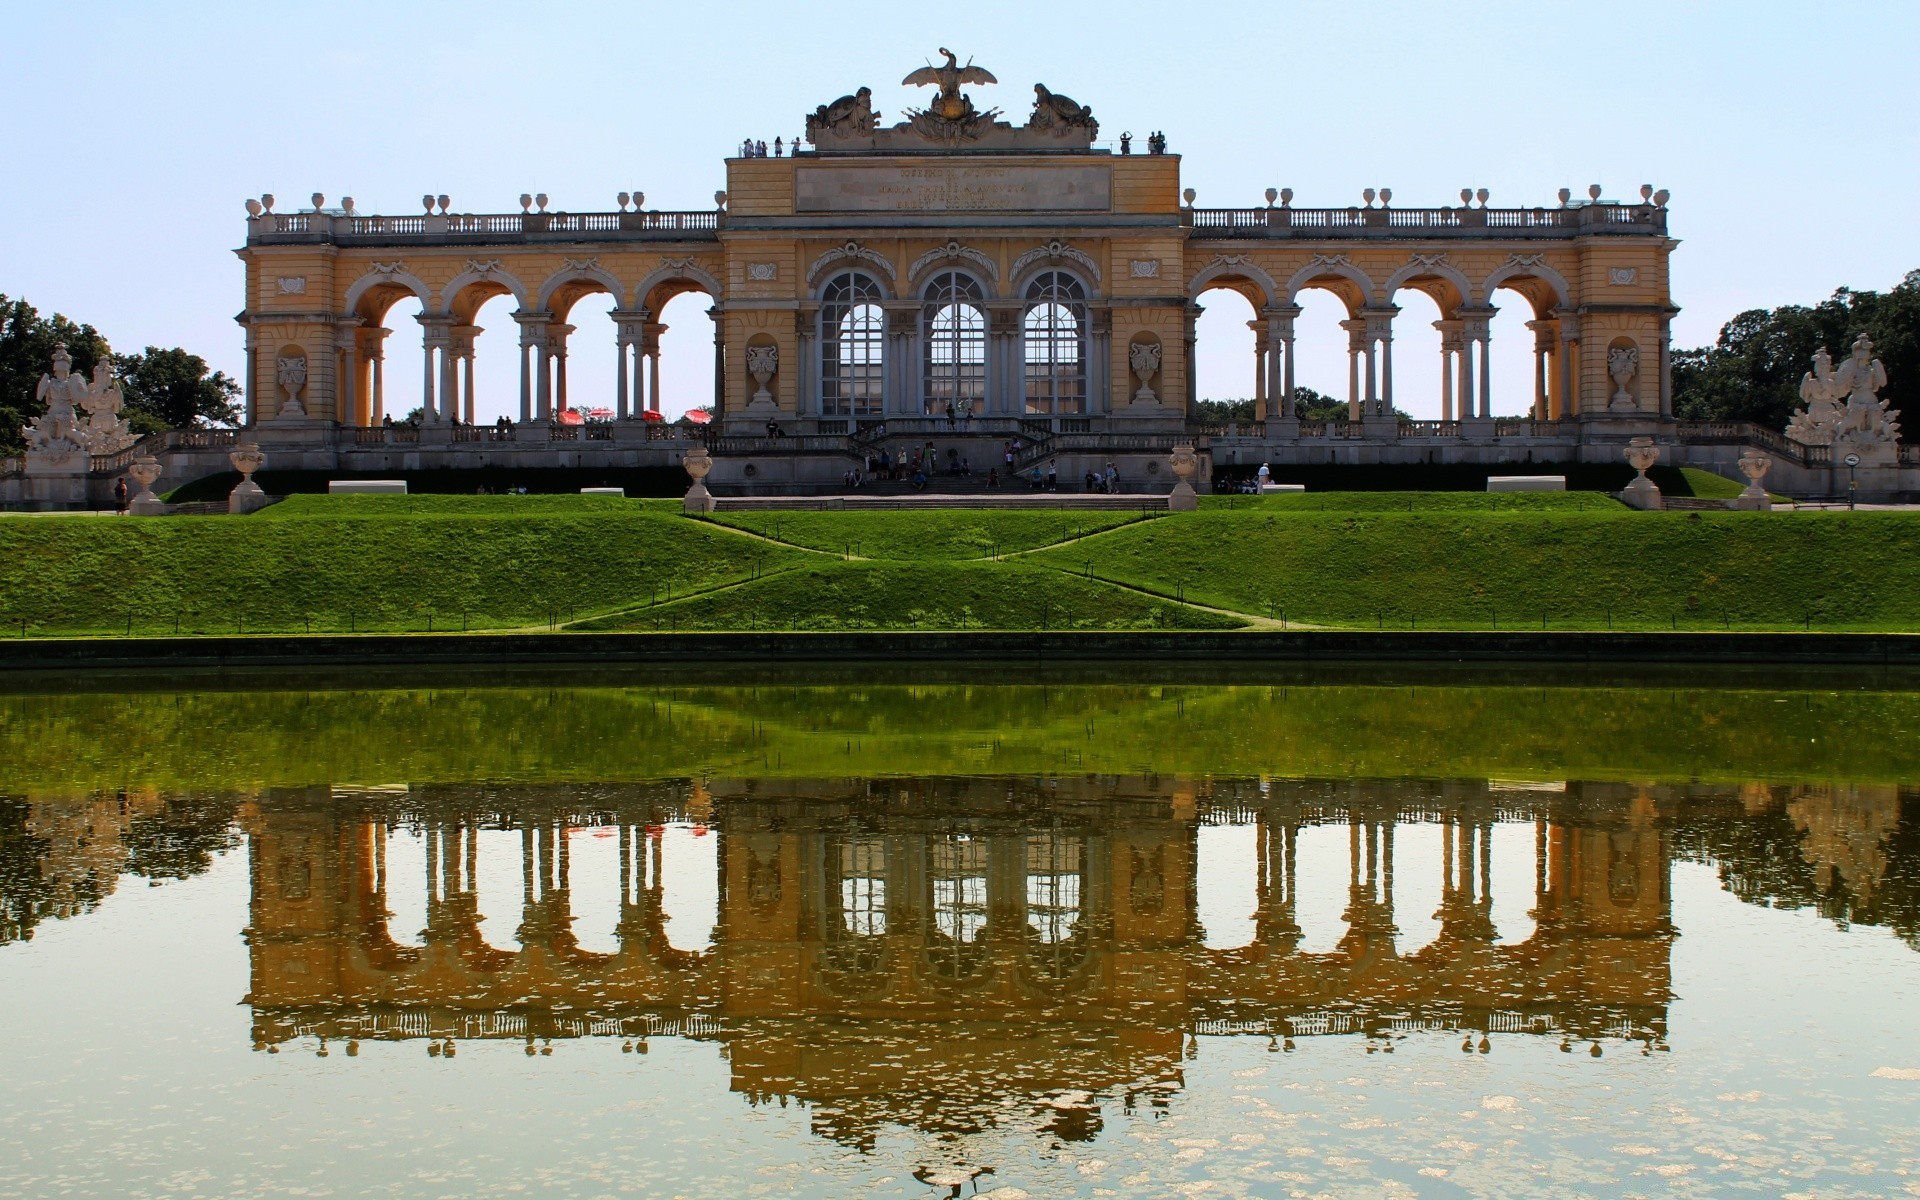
(952, 533)
(1526, 570)
(931, 594)
(207, 740)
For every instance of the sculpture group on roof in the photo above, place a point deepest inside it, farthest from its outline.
(951, 120)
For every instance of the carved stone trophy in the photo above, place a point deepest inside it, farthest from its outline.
(1843, 408)
(762, 362)
(1623, 363)
(247, 495)
(1641, 454)
(1144, 358)
(292, 377)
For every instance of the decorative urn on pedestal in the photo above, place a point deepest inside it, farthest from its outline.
(1754, 464)
(246, 496)
(145, 471)
(698, 463)
(1641, 454)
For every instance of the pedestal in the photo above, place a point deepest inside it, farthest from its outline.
(246, 496)
(698, 499)
(1642, 493)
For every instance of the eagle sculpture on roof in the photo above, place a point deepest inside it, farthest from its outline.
(949, 105)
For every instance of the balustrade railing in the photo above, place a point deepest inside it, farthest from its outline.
(1423, 222)
(780, 446)
(1313, 429)
(1429, 429)
(599, 431)
(200, 439)
(324, 226)
(1227, 429)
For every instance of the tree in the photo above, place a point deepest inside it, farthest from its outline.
(171, 389)
(1752, 372)
(1308, 404)
(27, 340)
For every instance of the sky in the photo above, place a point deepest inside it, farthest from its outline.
(135, 133)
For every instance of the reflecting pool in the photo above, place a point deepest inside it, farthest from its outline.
(1033, 938)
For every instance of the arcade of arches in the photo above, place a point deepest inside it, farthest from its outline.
(991, 280)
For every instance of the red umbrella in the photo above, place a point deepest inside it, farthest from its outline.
(651, 415)
(571, 416)
(699, 416)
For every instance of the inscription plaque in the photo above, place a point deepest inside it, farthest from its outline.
(953, 188)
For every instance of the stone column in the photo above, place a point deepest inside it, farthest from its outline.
(1567, 363)
(1279, 341)
(1006, 366)
(806, 393)
(1449, 347)
(533, 349)
(1543, 341)
(377, 358)
(1100, 361)
(652, 352)
(1356, 345)
(1188, 339)
(557, 336)
(1475, 330)
(898, 395)
(252, 393)
(346, 344)
(1666, 366)
(436, 365)
(627, 337)
(719, 359)
(1379, 326)
(1259, 329)
(461, 343)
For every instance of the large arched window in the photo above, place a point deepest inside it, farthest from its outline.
(1055, 344)
(956, 345)
(853, 331)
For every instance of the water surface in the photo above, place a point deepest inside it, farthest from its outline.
(1456, 939)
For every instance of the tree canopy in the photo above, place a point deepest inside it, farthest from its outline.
(1752, 372)
(164, 388)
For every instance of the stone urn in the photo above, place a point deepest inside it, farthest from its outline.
(1623, 363)
(246, 496)
(1144, 358)
(1754, 465)
(698, 463)
(1184, 462)
(1641, 454)
(762, 362)
(146, 471)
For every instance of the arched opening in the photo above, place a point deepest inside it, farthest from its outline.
(1524, 347)
(1325, 378)
(486, 340)
(1054, 344)
(394, 353)
(1227, 871)
(1226, 349)
(677, 353)
(582, 325)
(1425, 379)
(954, 337)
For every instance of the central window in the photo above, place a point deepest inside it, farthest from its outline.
(1054, 333)
(853, 331)
(956, 346)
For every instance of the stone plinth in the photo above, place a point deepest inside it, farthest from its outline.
(1526, 483)
(366, 487)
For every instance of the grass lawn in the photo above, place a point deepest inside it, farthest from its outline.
(1461, 560)
(362, 570)
(1523, 570)
(931, 594)
(939, 533)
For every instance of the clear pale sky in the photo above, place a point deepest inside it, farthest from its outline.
(134, 133)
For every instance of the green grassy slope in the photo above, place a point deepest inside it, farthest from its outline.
(836, 595)
(363, 572)
(1648, 570)
(949, 533)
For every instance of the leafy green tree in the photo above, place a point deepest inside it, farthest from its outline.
(171, 389)
(27, 340)
(1752, 372)
(1308, 404)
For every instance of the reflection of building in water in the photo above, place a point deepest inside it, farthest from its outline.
(949, 954)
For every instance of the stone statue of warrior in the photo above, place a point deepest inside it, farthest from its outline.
(62, 392)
